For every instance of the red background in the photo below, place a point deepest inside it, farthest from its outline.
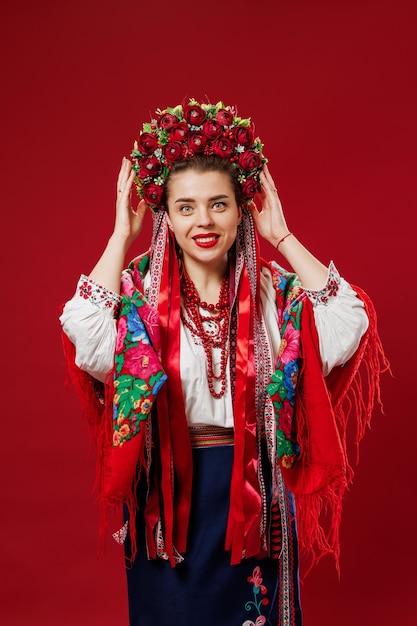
(331, 88)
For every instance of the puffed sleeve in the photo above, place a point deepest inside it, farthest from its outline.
(339, 314)
(340, 318)
(88, 319)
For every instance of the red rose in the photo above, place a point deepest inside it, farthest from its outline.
(249, 160)
(223, 148)
(224, 117)
(179, 132)
(147, 143)
(197, 142)
(243, 135)
(173, 151)
(194, 114)
(212, 129)
(152, 194)
(250, 188)
(149, 166)
(167, 120)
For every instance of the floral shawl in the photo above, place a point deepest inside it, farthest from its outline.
(306, 441)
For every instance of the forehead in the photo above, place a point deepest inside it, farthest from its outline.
(194, 184)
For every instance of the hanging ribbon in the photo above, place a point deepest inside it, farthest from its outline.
(174, 462)
(242, 535)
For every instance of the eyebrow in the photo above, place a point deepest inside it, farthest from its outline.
(219, 197)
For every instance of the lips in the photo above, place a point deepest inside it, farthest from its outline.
(208, 240)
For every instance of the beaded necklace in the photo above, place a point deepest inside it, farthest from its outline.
(211, 329)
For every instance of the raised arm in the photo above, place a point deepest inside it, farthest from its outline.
(128, 224)
(271, 225)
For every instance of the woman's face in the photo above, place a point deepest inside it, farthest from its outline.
(204, 216)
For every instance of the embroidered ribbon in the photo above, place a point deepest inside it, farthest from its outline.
(242, 535)
(175, 459)
(180, 437)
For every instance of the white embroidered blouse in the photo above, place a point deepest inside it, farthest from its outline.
(89, 321)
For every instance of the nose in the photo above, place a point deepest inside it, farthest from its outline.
(205, 217)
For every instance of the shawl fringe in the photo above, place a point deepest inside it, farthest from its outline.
(94, 397)
(323, 471)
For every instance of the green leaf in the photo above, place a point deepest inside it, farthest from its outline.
(125, 310)
(126, 407)
(154, 378)
(272, 388)
(138, 299)
(123, 389)
(211, 111)
(177, 111)
(126, 300)
(140, 417)
(140, 384)
(283, 445)
(122, 380)
(277, 376)
(143, 264)
(147, 127)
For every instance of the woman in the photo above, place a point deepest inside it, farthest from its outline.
(202, 349)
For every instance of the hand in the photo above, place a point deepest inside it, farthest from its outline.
(128, 223)
(269, 221)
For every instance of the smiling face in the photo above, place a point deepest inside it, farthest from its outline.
(204, 216)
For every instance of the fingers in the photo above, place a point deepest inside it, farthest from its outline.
(141, 209)
(125, 179)
(122, 173)
(267, 180)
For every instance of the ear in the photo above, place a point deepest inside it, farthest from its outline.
(239, 214)
(170, 226)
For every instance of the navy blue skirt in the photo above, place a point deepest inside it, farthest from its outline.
(204, 589)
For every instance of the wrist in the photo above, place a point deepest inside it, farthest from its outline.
(282, 239)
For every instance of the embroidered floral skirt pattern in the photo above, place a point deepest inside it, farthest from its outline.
(205, 589)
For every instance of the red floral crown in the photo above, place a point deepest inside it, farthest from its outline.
(191, 129)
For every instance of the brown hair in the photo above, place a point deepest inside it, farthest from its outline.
(202, 163)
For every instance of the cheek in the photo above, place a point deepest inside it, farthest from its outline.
(171, 221)
(179, 229)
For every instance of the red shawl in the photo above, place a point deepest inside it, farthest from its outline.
(323, 406)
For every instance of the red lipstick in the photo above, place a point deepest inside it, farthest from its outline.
(206, 240)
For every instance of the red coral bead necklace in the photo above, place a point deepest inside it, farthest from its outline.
(212, 329)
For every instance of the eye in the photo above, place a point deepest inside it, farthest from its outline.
(219, 205)
(185, 209)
